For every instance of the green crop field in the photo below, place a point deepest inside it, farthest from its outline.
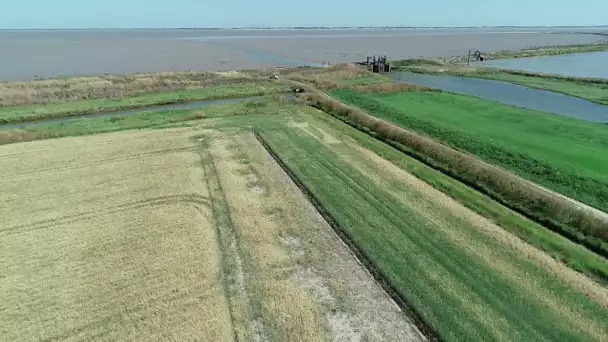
(466, 277)
(562, 154)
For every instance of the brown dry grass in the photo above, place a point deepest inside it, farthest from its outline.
(546, 207)
(108, 237)
(300, 280)
(96, 87)
(329, 78)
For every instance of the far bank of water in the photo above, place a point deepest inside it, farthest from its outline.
(589, 64)
(511, 94)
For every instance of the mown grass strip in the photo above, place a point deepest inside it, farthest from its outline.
(376, 272)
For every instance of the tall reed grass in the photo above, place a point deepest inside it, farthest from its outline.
(97, 87)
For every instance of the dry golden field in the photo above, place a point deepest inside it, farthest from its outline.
(175, 234)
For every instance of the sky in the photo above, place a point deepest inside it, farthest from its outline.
(57, 14)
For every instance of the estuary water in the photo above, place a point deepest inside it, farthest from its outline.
(32, 54)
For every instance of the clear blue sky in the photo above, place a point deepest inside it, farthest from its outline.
(242, 13)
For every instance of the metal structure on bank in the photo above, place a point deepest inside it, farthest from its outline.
(476, 56)
(377, 64)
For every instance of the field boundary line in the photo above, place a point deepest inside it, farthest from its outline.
(232, 268)
(380, 278)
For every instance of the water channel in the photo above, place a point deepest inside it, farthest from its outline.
(511, 94)
(127, 112)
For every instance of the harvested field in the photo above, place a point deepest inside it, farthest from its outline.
(465, 276)
(174, 234)
(108, 237)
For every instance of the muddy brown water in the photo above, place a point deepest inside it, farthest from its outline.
(34, 54)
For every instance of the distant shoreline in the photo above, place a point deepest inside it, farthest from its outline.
(35, 54)
(309, 28)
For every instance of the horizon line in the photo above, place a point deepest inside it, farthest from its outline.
(300, 27)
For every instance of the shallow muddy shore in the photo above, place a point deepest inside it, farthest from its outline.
(34, 54)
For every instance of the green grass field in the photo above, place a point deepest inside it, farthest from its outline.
(38, 112)
(562, 154)
(463, 279)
